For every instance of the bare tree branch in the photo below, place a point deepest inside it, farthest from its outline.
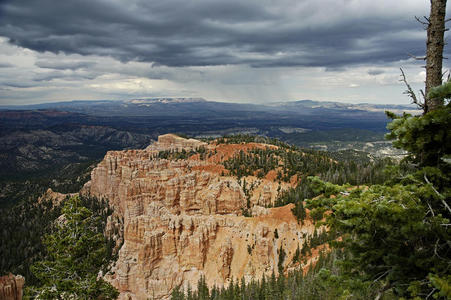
(417, 57)
(382, 291)
(383, 274)
(423, 22)
(423, 95)
(438, 194)
(430, 208)
(429, 295)
(410, 91)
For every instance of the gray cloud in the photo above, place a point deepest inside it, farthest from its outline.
(48, 76)
(375, 72)
(17, 84)
(5, 65)
(64, 65)
(253, 50)
(331, 34)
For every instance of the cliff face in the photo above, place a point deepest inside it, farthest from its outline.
(11, 287)
(182, 219)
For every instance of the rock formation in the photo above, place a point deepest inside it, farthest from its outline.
(182, 219)
(55, 197)
(11, 287)
(174, 142)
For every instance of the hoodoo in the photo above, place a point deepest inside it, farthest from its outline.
(179, 216)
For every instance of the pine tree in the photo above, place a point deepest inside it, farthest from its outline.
(202, 289)
(397, 234)
(76, 252)
(297, 255)
(281, 260)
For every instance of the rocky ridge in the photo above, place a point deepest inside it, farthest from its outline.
(182, 219)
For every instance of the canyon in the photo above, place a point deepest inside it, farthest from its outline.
(178, 219)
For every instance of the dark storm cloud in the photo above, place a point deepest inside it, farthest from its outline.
(200, 33)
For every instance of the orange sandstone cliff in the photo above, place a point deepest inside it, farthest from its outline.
(178, 220)
(11, 287)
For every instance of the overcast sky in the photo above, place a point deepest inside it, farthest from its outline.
(232, 50)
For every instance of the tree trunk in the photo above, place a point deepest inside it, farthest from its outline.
(434, 51)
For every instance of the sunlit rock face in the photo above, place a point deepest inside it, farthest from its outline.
(11, 287)
(182, 219)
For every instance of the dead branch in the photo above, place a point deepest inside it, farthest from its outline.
(423, 22)
(383, 274)
(382, 291)
(423, 95)
(438, 194)
(430, 208)
(410, 91)
(416, 57)
(429, 295)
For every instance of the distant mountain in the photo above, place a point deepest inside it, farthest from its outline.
(296, 121)
(314, 105)
(165, 100)
(200, 107)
